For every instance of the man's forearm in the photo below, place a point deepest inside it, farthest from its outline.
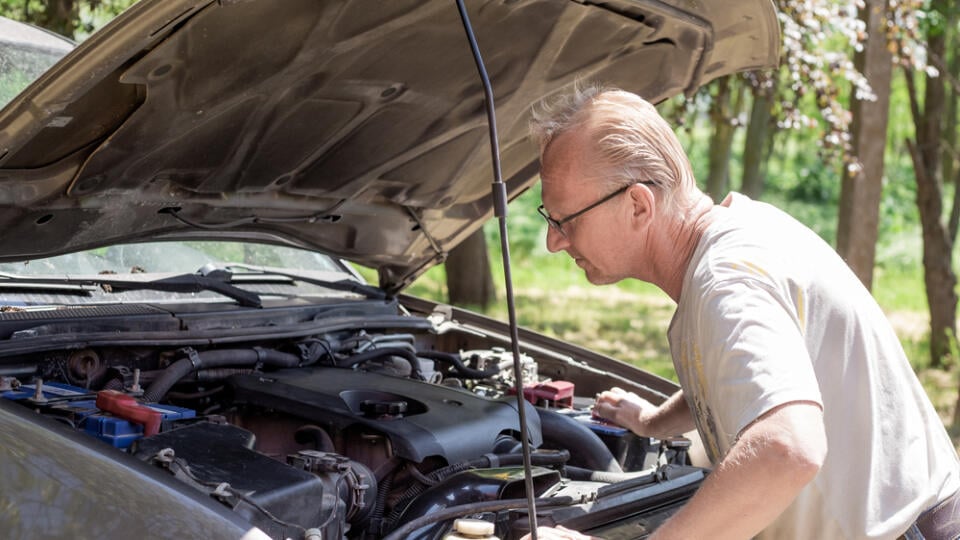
(671, 418)
(757, 480)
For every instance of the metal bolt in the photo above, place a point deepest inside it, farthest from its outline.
(38, 393)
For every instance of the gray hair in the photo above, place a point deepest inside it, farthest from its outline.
(630, 138)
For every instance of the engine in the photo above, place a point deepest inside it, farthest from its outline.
(355, 435)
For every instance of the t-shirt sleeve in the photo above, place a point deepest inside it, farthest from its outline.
(753, 353)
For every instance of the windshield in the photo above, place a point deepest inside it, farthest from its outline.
(175, 257)
(25, 53)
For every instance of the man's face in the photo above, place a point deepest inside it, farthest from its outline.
(571, 183)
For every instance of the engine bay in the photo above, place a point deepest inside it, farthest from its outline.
(391, 428)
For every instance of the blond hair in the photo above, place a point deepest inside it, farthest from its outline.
(632, 141)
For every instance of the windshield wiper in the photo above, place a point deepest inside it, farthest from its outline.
(183, 283)
(190, 283)
(15, 282)
(345, 285)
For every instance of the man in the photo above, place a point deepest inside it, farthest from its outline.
(799, 388)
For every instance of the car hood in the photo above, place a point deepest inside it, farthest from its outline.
(350, 127)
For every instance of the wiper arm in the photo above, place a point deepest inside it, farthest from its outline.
(183, 283)
(346, 285)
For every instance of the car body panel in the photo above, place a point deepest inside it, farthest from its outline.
(329, 125)
(58, 484)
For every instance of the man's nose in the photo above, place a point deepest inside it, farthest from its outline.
(556, 241)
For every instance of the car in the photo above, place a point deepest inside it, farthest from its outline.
(187, 349)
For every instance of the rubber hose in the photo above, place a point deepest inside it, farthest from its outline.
(373, 354)
(311, 433)
(557, 457)
(586, 448)
(216, 359)
(114, 384)
(577, 473)
(415, 490)
(502, 460)
(457, 362)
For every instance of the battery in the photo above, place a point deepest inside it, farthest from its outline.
(51, 391)
(122, 433)
(78, 407)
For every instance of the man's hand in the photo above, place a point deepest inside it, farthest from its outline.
(642, 417)
(558, 533)
(625, 409)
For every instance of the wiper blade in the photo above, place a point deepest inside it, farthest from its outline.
(346, 285)
(183, 283)
(51, 287)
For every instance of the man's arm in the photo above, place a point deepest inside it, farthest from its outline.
(772, 460)
(640, 416)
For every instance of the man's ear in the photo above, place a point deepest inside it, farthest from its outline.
(643, 202)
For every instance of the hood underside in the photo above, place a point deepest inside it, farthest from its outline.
(350, 127)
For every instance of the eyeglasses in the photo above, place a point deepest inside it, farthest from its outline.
(557, 224)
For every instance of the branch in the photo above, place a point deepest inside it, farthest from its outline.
(941, 66)
(912, 93)
(954, 222)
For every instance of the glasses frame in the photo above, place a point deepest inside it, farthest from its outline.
(557, 224)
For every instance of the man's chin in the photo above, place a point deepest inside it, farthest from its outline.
(596, 279)
(592, 275)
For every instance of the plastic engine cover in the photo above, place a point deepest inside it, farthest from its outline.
(420, 419)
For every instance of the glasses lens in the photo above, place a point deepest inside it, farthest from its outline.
(552, 223)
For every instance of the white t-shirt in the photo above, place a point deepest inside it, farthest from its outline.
(770, 314)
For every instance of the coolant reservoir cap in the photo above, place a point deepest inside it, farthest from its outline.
(471, 529)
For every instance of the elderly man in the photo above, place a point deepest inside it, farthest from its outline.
(813, 418)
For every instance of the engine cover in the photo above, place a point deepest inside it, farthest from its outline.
(420, 419)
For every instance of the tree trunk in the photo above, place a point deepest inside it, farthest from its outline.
(469, 280)
(951, 152)
(60, 16)
(755, 147)
(859, 212)
(939, 277)
(723, 112)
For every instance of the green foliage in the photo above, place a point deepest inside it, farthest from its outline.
(75, 19)
(526, 227)
(12, 83)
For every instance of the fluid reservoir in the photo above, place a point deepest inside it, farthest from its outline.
(471, 529)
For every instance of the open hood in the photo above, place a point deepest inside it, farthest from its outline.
(355, 128)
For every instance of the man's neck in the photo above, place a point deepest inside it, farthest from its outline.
(680, 241)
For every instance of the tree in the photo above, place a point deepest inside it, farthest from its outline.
(951, 150)
(724, 115)
(469, 280)
(65, 17)
(925, 149)
(862, 184)
(756, 143)
(815, 66)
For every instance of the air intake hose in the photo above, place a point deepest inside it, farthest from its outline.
(196, 361)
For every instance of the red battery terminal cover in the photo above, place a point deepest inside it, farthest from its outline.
(554, 393)
(127, 407)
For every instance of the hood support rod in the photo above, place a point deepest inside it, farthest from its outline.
(500, 210)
